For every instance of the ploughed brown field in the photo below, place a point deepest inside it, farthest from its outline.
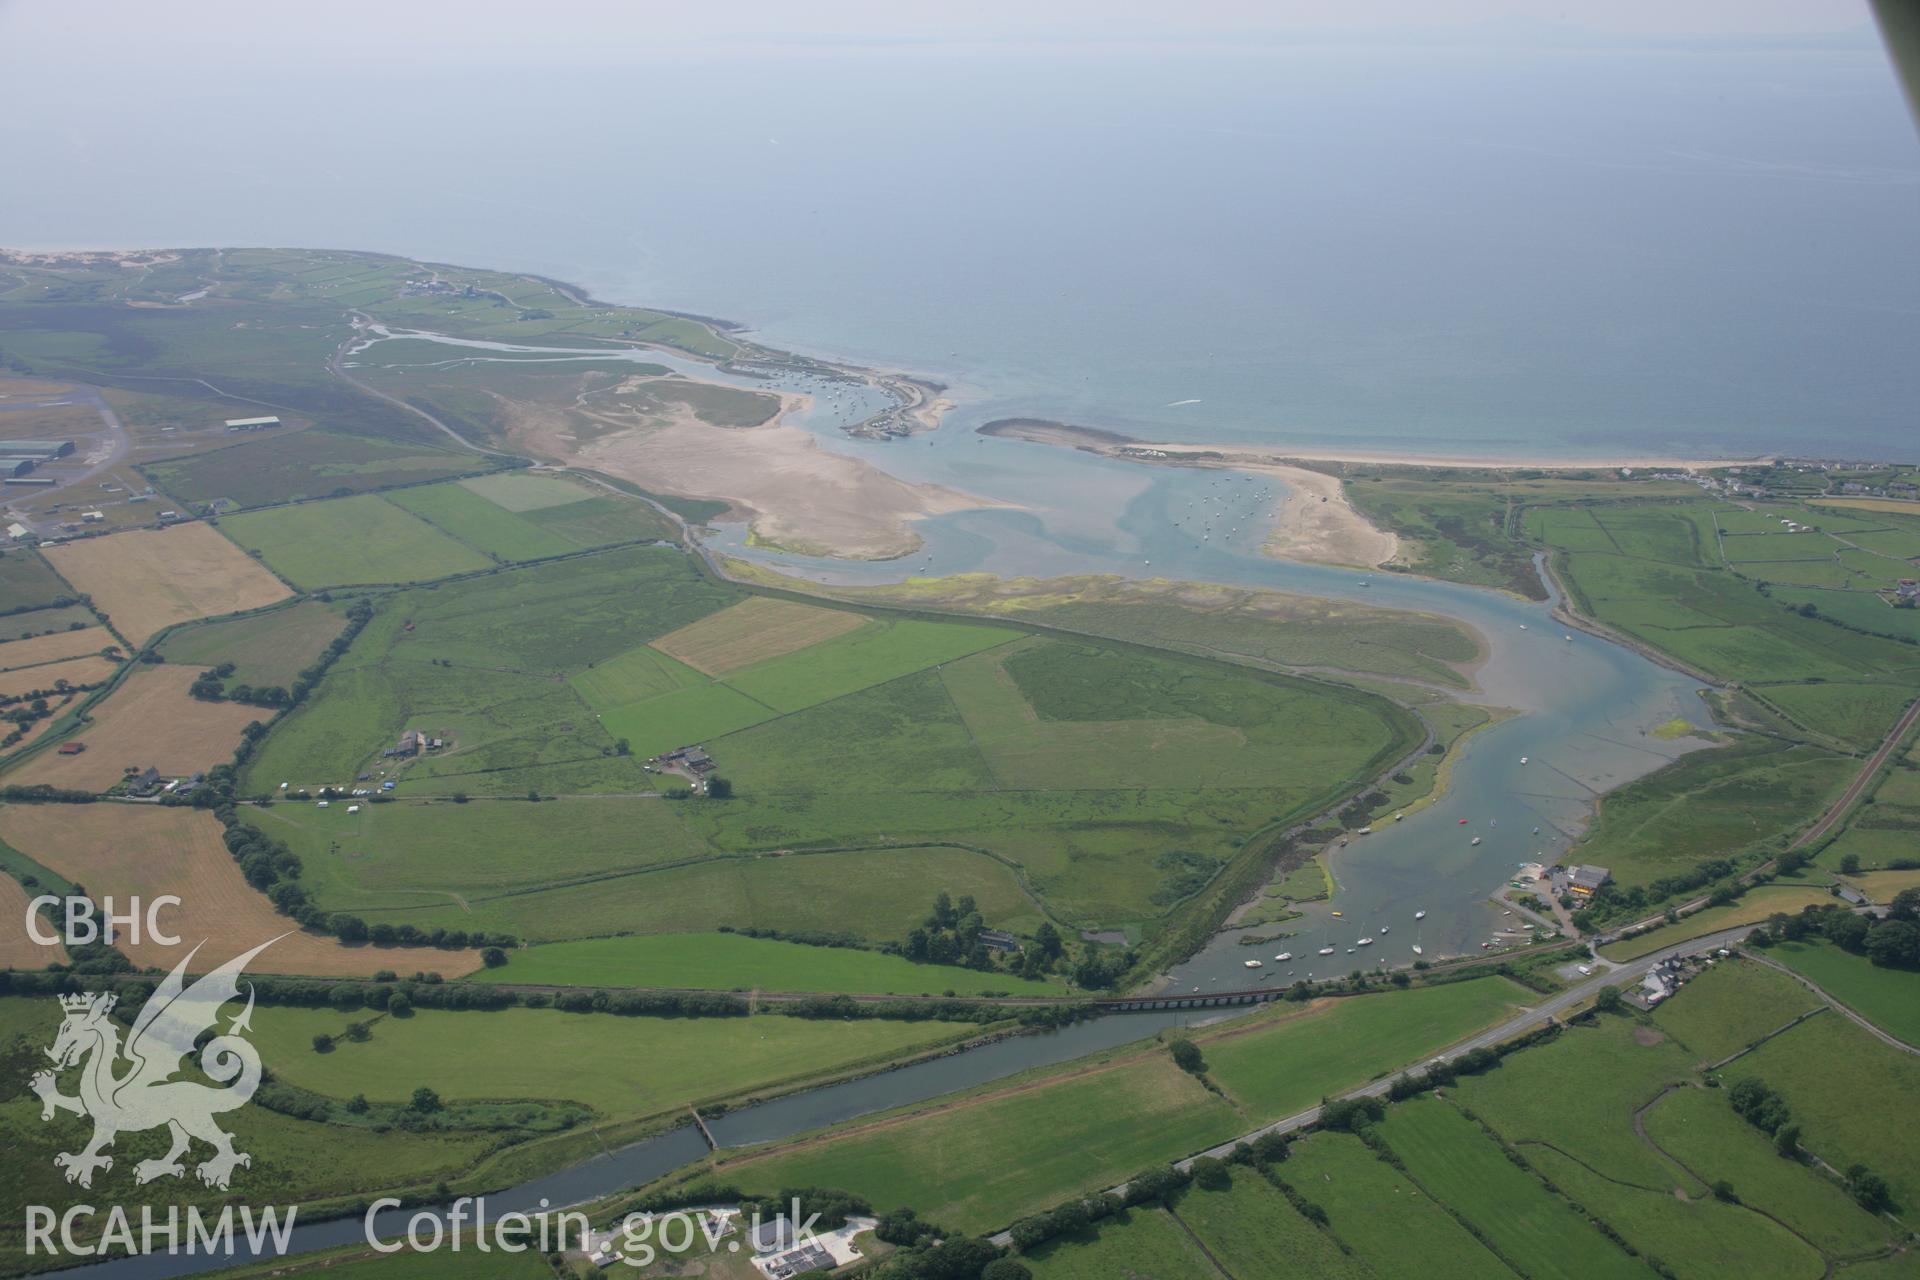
(147, 579)
(124, 851)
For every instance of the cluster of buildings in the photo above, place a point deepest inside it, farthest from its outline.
(1661, 981)
(693, 760)
(414, 742)
(149, 783)
(775, 1248)
(18, 458)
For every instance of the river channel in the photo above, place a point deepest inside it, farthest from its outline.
(1580, 719)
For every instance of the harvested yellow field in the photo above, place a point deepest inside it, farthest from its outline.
(1881, 886)
(75, 671)
(128, 850)
(148, 579)
(1868, 504)
(150, 720)
(753, 631)
(17, 950)
(61, 644)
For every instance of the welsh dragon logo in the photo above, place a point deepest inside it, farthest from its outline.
(146, 1096)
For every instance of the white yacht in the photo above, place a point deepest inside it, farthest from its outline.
(1420, 915)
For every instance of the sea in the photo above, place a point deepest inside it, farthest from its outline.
(1547, 249)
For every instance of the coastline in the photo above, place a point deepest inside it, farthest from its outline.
(1098, 439)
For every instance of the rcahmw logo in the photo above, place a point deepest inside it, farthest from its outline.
(129, 1088)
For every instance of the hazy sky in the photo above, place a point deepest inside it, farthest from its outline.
(381, 29)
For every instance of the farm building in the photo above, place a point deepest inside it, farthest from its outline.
(252, 424)
(999, 940)
(13, 465)
(17, 531)
(694, 758)
(39, 450)
(415, 742)
(72, 748)
(1586, 880)
(142, 781)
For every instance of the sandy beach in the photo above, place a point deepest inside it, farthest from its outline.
(790, 491)
(1316, 524)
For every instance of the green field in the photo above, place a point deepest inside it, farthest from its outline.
(1699, 1129)
(306, 464)
(633, 676)
(1842, 1086)
(981, 1164)
(40, 622)
(479, 658)
(1389, 1225)
(268, 648)
(1452, 1158)
(1141, 1244)
(1888, 998)
(997, 1156)
(293, 1160)
(1725, 802)
(581, 868)
(348, 541)
(859, 660)
(1579, 1094)
(1731, 1006)
(1260, 628)
(698, 713)
(620, 1067)
(730, 961)
(1110, 815)
(1698, 1237)
(480, 523)
(1569, 1108)
(27, 581)
(1253, 1231)
(1273, 1064)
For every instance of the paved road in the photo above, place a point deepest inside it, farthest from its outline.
(1890, 1041)
(1521, 1023)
